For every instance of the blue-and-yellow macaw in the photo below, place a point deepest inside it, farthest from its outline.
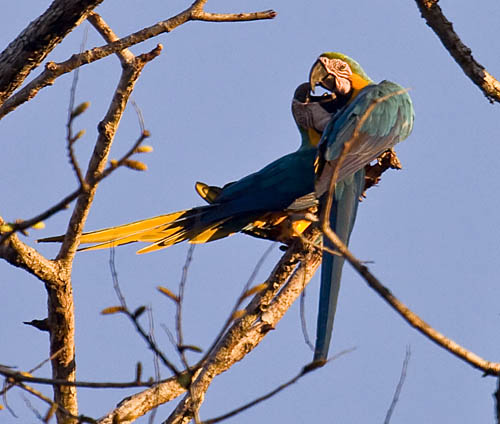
(258, 204)
(375, 118)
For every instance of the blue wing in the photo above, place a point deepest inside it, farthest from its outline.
(389, 121)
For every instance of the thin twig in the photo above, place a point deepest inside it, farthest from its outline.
(59, 206)
(399, 386)
(156, 363)
(135, 320)
(238, 302)
(178, 315)
(32, 370)
(263, 313)
(306, 370)
(196, 403)
(6, 403)
(107, 130)
(70, 139)
(64, 203)
(17, 376)
(51, 403)
(346, 149)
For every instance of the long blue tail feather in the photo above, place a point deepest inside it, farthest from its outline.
(342, 217)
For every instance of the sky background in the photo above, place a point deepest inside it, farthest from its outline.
(217, 104)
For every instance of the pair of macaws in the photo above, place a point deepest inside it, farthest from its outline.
(370, 117)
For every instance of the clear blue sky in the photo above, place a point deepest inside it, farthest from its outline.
(217, 103)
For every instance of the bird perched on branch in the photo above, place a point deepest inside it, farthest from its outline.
(375, 118)
(258, 204)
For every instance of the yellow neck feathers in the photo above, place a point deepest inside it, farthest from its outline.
(358, 83)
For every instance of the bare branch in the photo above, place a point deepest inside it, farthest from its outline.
(22, 225)
(107, 129)
(178, 315)
(36, 367)
(462, 54)
(38, 39)
(54, 70)
(109, 36)
(52, 404)
(16, 376)
(60, 295)
(139, 404)
(260, 399)
(488, 367)
(232, 17)
(262, 314)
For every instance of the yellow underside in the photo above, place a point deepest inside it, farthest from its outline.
(314, 136)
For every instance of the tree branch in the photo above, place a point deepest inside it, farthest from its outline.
(125, 55)
(54, 70)
(107, 129)
(488, 367)
(462, 54)
(38, 39)
(16, 376)
(22, 256)
(262, 315)
(284, 285)
(60, 295)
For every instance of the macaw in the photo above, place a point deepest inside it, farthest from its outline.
(309, 115)
(258, 204)
(375, 118)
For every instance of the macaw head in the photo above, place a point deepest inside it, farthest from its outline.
(338, 74)
(312, 113)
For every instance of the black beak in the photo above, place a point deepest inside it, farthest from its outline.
(320, 76)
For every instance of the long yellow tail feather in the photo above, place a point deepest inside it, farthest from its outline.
(130, 230)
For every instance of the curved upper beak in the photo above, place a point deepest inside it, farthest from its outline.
(320, 76)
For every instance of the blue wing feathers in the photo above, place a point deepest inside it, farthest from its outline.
(389, 121)
(393, 116)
